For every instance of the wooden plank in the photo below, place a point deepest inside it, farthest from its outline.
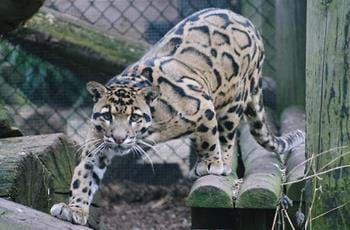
(293, 118)
(261, 187)
(36, 170)
(290, 52)
(328, 109)
(14, 216)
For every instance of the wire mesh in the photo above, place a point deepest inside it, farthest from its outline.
(42, 97)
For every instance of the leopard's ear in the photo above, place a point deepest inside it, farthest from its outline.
(96, 90)
(150, 94)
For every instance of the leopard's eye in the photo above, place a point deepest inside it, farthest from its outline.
(107, 116)
(135, 117)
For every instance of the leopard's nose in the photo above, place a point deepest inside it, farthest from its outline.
(119, 139)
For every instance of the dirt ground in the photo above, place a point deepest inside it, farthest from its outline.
(136, 206)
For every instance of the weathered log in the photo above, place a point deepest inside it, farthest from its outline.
(212, 192)
(14, 216)
(293, 118)
(14, 13)
(215, 191)
(261, 187)
(83, 49)
(36, 170)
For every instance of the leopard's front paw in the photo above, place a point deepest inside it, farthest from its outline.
(206, 167)
(74, 215)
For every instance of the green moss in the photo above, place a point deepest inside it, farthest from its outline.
(257, 198)
(110, 48)
(209, 197)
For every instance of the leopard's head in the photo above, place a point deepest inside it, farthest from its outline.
(122, 114)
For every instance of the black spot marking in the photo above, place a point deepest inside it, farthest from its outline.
(250, 112)
(76, 184)
(143, 130)
(257, 125)
(214, 130)
(96, 178)
(213, 52)
(202, 128)
(223, 139)
(173, 44)
(147, 73)
(89, 193)
(88, 166)
(229, 125)
(209, 114)
(79, 173)
(205, 145)
(146, 117)
(231, 135)
(79, 200)
(221, 129)
(212, 148)
(85, 190)
(232, 109)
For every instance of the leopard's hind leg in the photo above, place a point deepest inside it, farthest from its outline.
(228, 120)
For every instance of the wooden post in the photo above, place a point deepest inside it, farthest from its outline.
(328, 109)
(290, 52)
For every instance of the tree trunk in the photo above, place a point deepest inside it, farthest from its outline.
(328, 109)
(290, 52)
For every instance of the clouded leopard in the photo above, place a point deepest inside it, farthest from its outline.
(200, 79)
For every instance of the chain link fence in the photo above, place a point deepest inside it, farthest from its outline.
(41, 96)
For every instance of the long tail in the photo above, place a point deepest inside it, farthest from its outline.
(255, 115)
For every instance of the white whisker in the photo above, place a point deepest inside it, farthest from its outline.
(147, 156)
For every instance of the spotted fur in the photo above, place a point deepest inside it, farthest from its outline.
(200, 79)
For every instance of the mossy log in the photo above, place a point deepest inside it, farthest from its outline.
(212, 192)
(14, 13)
(293, 118)
(83, 49)
(36, 170)
(261, 187)
(14, 216)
